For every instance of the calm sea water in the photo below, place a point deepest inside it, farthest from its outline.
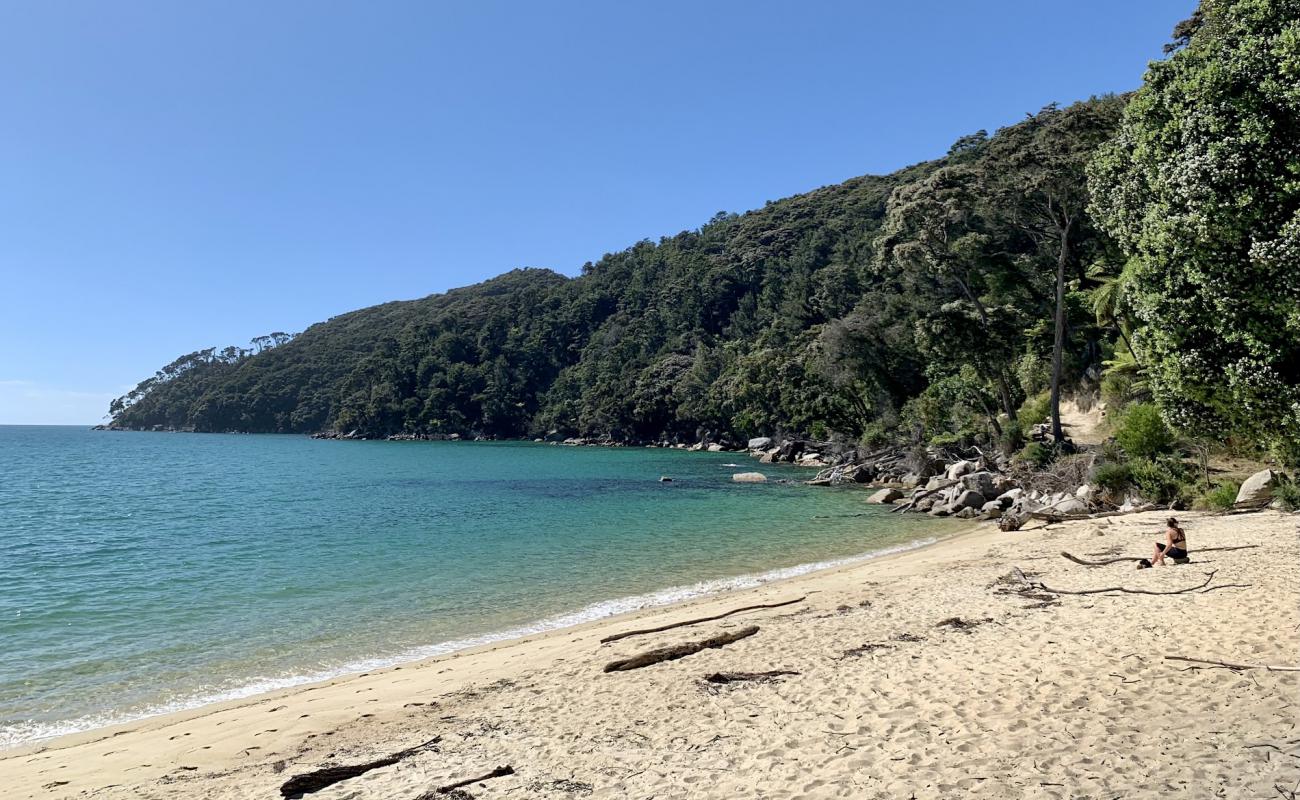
(142, 573)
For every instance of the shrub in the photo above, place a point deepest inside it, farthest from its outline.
(1013, 437)
(1036, 454)
(1159, 481)
(1288, 492)
(1113, 477)
(1220, 498)
(1142, 432)
(1036, 409)
(875, 435)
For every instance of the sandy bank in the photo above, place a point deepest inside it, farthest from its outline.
(1041, 697)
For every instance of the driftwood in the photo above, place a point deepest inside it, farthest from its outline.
(1232, 666)
(670, 626)
(1055, 518)
(499, 772)
(737, 677)
(1202, 587)
(923, 495)
(314, 781)
(678, 651)
(1106, 561)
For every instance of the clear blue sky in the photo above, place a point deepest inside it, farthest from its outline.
(177, 175)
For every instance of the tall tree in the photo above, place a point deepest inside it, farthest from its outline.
(1201, 188)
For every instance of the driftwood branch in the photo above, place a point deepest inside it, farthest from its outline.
(737, 677)
(670, 626)
(1233, 666)
(314, 781)
(678, 651)
(499, 772)
(1209, 576)
(1045, 514)
(1085, 562)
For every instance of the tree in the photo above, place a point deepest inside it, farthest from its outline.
(1201, 189)
(1038, 171)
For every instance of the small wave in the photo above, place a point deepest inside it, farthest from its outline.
(18, 734)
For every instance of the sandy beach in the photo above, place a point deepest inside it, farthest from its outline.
(927, 674)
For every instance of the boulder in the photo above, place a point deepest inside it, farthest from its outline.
(1012, 495)
(760, 443)
(969, 499)
(940, 511)
(885, 496)
(967, 513)
(925, 505)
(715, 448)
(1258, 487)
(1069, 505)
(911, 480)
(981, 482)
(749, 477)
(991, 510)
(1002, 484)
(959, 469)
(1087, 493)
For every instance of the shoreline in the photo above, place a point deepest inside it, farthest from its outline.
(249, 746)
(644, 604)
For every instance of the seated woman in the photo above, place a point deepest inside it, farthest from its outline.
(1174, 546)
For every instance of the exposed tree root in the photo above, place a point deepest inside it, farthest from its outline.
(1232, 666)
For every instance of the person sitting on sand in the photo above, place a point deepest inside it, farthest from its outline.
(1174, 546)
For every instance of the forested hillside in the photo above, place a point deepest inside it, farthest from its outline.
(1138, 248)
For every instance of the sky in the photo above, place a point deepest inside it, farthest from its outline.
(175, 176)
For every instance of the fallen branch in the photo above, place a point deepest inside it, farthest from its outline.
(737, 677)
(678, 651)
(499, 772)
(314, 781)
(1232, 666)
(1104, 562)
(1202, 586)
(670, 626)
(1045, 515)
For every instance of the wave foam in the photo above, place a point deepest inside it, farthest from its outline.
(23, 733)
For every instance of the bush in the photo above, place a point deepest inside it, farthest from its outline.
(1036, 409)
(1036, 454)
(1142, 432)
(875, 435)
(1013, 437)
(1113, 477)
(1288, 492)
(1220, 498)
(1161, 481)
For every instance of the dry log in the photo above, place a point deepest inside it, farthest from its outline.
(314, 781)
(1232, 666)
(736, 677)
(1104, 562)
(678, 651)
(1055, 518)
(499, 772)
(670, 626)
(1209, 576)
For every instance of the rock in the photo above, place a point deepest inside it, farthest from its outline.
(911, 480)
(969, 499)
(940, 511)
(1070, 505)
(665, 479)
(959, 469)
(934, 483)
(1012, 495)
(1002, 484)
(967, 513)
(715, 448)
(925, 505)
(1258, 487)
(767, 458)
(981, 482)
(991, 510)
(885, 496)
(1086, 493)
(760, 443)
(749, 477)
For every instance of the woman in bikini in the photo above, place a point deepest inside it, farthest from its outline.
(1174, 546)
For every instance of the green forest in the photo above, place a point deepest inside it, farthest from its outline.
(1139, 250)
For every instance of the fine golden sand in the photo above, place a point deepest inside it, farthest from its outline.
(1028, 696)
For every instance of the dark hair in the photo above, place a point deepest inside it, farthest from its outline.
(1171, 522)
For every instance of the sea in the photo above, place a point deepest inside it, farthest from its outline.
(143, 573)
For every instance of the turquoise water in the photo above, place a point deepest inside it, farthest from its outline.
(141, 573)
